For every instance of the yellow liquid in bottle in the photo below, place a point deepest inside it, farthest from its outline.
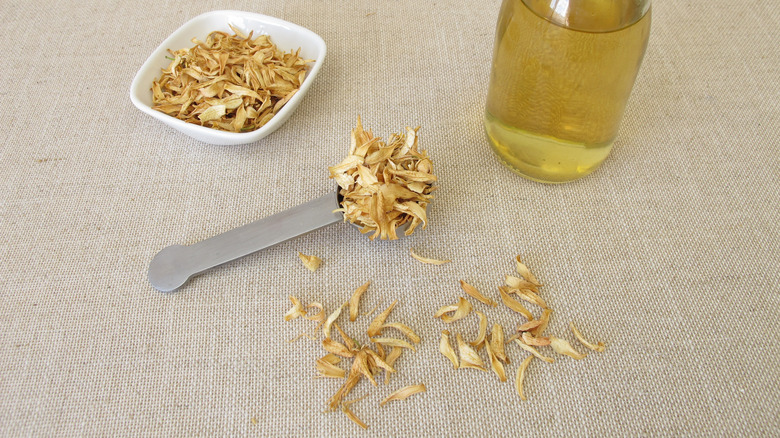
(557, 94)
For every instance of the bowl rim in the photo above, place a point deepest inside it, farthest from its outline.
(202, 132)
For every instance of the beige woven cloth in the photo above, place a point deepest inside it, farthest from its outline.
(669, 253)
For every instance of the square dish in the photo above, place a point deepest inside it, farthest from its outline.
(287, 36)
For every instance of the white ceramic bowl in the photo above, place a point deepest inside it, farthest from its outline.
(287, 36)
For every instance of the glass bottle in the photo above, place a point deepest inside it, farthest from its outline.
(562, 73)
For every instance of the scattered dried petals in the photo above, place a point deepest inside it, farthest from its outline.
(530, 296)
(319, 316)
(520, 283)
(445, 348)
(445, 309)
(403, 393)
(328, 369)
(427, 260)
(405, 329)
(351, 415)
(468, 357)
(545, 320)
(597, 347)
(482, 330)
(349, 342)
(362, 366)
(562, 346)
(379, 362)
(497, 342)
(310, 261)
(514, 304)
(530, 325)
(295, 311)
(354, 301)
(533, 351)
(352, 379)
(330, 320)
(529, 339)
(376, 325)
(523, 270)
(521, 376)
(337, 348)
(471, 290)
(330, 358)
(394, 354)
(460, 311)
(495, 363)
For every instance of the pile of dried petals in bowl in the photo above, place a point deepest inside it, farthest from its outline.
(233, 83)
(385, 186)
(529, 336)
(368, 361)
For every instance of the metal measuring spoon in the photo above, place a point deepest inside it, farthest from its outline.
(174, 265)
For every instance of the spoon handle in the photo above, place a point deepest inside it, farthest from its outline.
(174, 265)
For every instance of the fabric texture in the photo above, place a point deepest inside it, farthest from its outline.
(668, 253)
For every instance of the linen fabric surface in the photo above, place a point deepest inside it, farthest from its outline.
(668, 253)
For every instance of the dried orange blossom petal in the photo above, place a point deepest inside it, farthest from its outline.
(597, 347)
(445, 348)
(477, 343)
(533, 351)
(521, 376)
(394, 354)
(328, 322)
(561, 346)
(529, 339)
(319, 316)
(351, 415)
(514, 304)
(379, 362)
(295, 311)
(352, 379)
(530, 296)
(361, 365)
(376, 325)
(471, 290)
(355, 300)
(348, 340)
(529, 325)
(460, 311)
(329, 369)
(497, 342)
(337, 348)
(310, 261)
(403, 393)
(545, 320)
(523, 270)
(495, 363)
(520, 283)
(468, 357)
(330, 358)
(427, 260)
(405, 329)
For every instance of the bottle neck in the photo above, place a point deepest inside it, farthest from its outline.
(590, 15)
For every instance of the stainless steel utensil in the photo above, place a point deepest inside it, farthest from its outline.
(174, 265)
